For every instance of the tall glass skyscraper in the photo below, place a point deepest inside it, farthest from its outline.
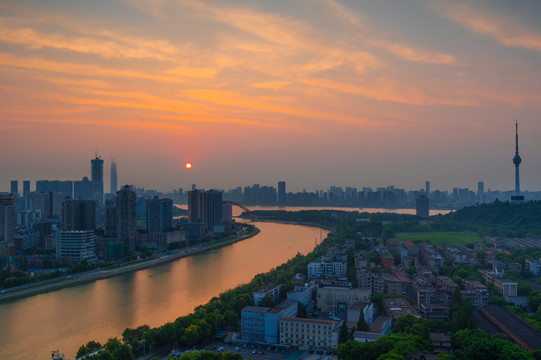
(96, 170)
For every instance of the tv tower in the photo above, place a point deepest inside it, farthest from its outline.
(517, 198)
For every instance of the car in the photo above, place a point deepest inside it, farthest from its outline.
(261, 353)
(253, 352)
(237, 348)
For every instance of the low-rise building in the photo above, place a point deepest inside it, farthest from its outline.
(355, 311)
(366, 336)
(76, 245)
(308, 332)
(534, 266)
(338, 299)
(327, 270)
(477, 293)
(397, 307)
(302, 294)
(261, 323)
(391, 285)
(272, 291)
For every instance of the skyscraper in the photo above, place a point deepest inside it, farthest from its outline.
(481, 191)
(15, 187)
(26, 187)
(196, 201)
(7, 224)
(114, 187)
(282, 197)
(213, 211)
(422, 206)
(159, 214)
(96, 170)
(78, 215)
(206, 207)
(427, 188)
(126, 211)
(517, 198)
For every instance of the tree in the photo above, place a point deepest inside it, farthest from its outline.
(267, 302)
(362, 324)
(301, 311)
(343, 335)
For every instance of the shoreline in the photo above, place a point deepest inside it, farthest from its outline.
(82, 278)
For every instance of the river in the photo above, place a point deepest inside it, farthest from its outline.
(68, 318)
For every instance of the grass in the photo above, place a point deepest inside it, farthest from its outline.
(449, 238)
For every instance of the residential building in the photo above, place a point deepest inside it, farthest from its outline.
(78, 215)
(272, 291)
(159, 214)
(75, 245)
(126, 212)
(327, 270)
(7, 225)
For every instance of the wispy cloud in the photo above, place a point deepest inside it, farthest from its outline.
(407, 52)
(507, 30)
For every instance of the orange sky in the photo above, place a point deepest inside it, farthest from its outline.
(313, 92)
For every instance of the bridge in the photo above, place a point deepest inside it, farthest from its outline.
(248, 211)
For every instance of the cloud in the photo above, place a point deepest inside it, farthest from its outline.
(80, 69)
(406, 52)
(384, 89)
(507, 30)
(271, 84)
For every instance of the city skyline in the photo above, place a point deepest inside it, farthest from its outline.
(314, 93)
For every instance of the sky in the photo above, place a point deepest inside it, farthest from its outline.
(312, 92)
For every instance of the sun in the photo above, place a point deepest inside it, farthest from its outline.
(188, 166)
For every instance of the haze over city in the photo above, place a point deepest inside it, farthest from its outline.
(313, 92)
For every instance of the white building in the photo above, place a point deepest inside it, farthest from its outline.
(75, 245)
(534, 266)
(272, 291)
(327, 270)
(308, 332)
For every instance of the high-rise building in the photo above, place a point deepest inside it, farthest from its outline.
(78, 215)
(110, 220)
(114, 186)
(159, 214)
(481, 191)
(196, 201)
(206, 207)
(422, 206)
(126, 211)
(213, 210)
(517, 198)
(83, 189)
(7, 218)
(282, 197)
(427, 188)
(26, 187)
(96, 169)
(15, 187)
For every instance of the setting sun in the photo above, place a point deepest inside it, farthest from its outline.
(188, 166)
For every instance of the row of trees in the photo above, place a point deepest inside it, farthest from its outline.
(221, 312)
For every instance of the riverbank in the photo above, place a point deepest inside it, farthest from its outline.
(82, 278)
(303, 223)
